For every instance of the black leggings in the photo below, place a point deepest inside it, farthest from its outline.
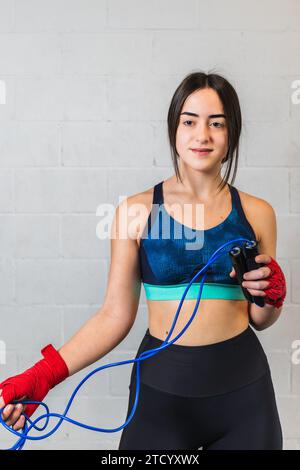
(216, 396)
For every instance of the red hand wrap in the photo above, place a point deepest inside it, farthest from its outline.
(276, 291)
(35, 382)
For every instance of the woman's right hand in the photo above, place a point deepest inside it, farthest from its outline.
(33, 385)
(11, 414)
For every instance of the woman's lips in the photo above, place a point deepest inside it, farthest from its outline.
(201, 152)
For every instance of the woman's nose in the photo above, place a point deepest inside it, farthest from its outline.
(203, 133)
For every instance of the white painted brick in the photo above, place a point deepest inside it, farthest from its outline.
(117, 144)
(11, 366)
(7, 110)
(7, 236)
(85, 98)
(79, 238)
(253, 181)
(183, 52)
(81, 15)
(104, 413)
(290, 444)
(60, 282)
(142, 98)
(69, 444)
(76, 444)
(283, 332)
(37, 236)
(271, 53)
(139, 181)
(153, 15)
(295, 274)
(30, 54)
(60, 190)
(288, 233)
(111, 53)
(271, 144)
(162, 152)
(294, 190)
(6, 191)
(29, 144)
(6, 281)
(119, 376)
(7, 16)
(29, 329)
(264, 99)
(29, 236)
(267, 15)
(296, 373)
(280, 365)
(39, 98)
(289, 412)
(2, 92)
(294, 137)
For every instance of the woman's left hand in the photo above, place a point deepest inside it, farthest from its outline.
(255, 280)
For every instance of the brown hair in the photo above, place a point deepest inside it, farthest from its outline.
(228, 96)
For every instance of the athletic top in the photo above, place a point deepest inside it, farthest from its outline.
(171, 253)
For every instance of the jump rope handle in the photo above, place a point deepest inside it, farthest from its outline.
(243, 260)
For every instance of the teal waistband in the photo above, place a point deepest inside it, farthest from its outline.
(209, 291)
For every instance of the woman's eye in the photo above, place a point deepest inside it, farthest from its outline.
(219, 124)
(216, 124)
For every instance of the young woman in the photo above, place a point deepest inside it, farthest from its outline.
(212, 388)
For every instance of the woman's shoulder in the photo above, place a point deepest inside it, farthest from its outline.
(255, 202)
(144, 197)
(256, 210)
(138, 208)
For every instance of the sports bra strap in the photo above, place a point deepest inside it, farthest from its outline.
(237, 203)
(157, 193)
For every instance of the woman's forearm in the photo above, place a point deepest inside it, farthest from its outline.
(263, 317)
(96, 338)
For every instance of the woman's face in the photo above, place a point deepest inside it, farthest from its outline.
(202, 131)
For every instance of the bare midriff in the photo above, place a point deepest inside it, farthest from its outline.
(215, 320)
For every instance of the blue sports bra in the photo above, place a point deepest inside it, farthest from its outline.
(171, 253)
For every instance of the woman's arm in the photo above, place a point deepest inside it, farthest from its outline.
(263, 317)
(96, 338)
(111, 324)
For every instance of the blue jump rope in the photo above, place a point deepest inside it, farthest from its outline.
(24, 435)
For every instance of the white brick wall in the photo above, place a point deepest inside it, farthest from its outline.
(88, 84)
